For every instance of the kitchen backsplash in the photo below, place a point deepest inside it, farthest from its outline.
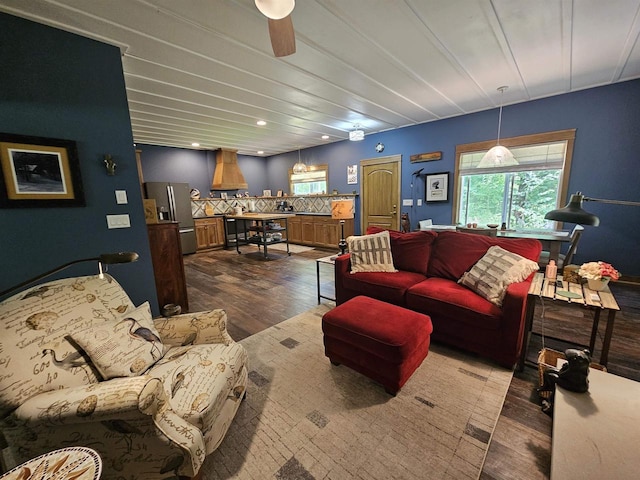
(218, 206)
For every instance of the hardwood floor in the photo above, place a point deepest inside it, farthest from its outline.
(258, 293)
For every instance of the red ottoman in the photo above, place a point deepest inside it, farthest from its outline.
(380, 340)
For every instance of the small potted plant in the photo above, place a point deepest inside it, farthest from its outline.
(598, 274)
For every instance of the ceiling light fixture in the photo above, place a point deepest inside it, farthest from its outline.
(299, 167)
(260, 152)
(357, 134)
(325, 137)
(275, 9)
(498, 156)
(195, 144)
(262, 123)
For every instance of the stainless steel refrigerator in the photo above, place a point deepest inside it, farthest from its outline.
(174, 203)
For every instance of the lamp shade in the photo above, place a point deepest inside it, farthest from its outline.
(342, 209)
(498, 156)
(275, 9)
(573, 213)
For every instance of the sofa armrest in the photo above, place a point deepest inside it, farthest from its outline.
(513, 310)
(342, 268)
(194, 328)
(133, 405)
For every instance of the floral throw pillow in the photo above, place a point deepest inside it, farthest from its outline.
(124, 347)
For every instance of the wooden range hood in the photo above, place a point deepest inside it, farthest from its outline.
(228, 175)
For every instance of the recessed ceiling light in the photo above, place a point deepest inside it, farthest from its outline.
(262, 123)
(325, 137)
(260, 152)
(195, 144)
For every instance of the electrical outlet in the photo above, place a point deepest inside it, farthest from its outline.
(407, 202)
(419, 202)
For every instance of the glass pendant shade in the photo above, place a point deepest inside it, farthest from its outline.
(498, 156)
(299, 167)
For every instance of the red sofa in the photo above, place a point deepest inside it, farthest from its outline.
(429, 265)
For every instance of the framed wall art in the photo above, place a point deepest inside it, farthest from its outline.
(437, 187)
(39, 172)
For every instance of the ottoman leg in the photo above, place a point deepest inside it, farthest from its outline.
(390, 391)
(337, 364)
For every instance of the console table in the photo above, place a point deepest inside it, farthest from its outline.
(596, 434)
(583, 296)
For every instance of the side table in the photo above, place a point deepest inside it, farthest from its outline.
(580, 295)
(329, 260)
(79, 463)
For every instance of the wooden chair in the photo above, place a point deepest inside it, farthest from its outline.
(563, 260)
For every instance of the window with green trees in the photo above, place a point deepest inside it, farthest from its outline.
(519, 195)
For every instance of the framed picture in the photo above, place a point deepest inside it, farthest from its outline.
(266, 193)
(150, 211)
(352, 174)
(437, 187)
(223, 195)
(39, 172)
(279, 193)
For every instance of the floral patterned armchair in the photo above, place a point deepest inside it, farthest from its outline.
(82, 366)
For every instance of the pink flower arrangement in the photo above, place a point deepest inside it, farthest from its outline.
(598, 270)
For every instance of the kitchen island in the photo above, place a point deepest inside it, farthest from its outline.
(265, 228)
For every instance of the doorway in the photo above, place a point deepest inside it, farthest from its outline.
(380, 196)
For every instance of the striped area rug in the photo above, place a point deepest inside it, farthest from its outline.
(307, 419)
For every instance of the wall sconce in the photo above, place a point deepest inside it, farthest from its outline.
(110, 164)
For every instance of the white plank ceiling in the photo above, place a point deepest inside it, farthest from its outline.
(203, 70)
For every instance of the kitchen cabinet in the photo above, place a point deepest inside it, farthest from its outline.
(168, 267)
(209, 232)
(319, 230)
(294, 231)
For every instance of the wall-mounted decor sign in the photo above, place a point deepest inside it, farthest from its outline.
(352, 174)
(426, 157)
(39, 172)
(437, 187)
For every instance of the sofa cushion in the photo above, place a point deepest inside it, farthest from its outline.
(450, 301)
(380, 285)
(495, 271)
(410, 251)
(454, 253)
(371, 253)
(123, 347)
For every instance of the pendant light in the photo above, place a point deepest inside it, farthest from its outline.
(299, 167)
(498, 156)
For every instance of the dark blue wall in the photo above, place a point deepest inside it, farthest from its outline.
(605, 160)
(196, 167)
(59, 85)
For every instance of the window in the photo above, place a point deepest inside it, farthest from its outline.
(312, 182)
(518, 195)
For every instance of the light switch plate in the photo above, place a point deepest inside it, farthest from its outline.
(419, 202)
(407, 202)
(121, 197)
(118, 221)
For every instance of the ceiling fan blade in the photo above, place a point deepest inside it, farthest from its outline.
(283, 38)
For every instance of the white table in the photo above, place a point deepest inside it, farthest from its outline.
(329, 260)
(81, 463)
(596, 434)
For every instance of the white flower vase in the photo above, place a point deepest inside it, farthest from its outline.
(599, 284)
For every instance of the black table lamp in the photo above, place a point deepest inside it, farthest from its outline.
(105, 258)
(342, 210)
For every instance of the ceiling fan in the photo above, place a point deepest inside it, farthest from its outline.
(278, 12)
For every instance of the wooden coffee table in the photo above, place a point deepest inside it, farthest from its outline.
(547, 291)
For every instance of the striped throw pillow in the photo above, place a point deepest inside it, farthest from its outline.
(371, 253)
(495, 271)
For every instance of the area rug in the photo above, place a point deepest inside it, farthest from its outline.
(304, 418)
